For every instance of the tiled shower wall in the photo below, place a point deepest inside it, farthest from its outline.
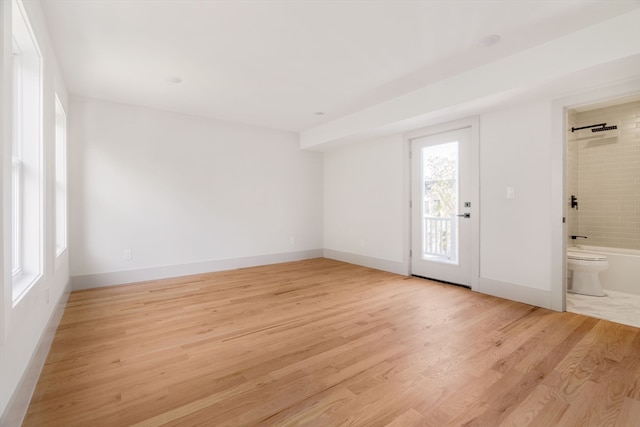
(573, 220)
(608, 177)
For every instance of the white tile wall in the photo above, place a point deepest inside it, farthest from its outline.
(608, 178)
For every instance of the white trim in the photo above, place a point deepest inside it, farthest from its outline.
(511, 291)
(16, 163)
(31, 156)
(154, 273)
(22, 284)
(367, 261)
(18, 403)
(25, 17)
(61, 191)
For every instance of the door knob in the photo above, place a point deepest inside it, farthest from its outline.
(464, 215)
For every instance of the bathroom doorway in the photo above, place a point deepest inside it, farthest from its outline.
(602, 188)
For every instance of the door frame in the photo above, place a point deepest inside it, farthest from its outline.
(474, 124)
(559, 192)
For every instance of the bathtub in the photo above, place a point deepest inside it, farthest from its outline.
(623, 274)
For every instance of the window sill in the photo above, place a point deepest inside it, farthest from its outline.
(22, 284)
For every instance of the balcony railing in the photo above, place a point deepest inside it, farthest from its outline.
(439, 237)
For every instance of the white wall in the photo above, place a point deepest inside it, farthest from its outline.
(520, 101)
(515, 147)
(27, 328)
(364, 214)
(366, 193)
(184, 191)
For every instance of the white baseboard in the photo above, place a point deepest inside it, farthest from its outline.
(366, 261)
(537, 297)
(132, 276)
(515, 292)
(19, 403)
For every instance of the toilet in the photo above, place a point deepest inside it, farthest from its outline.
(585, 268)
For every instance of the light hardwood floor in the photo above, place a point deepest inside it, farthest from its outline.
(324, 343)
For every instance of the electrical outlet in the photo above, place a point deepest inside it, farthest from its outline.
(511, 193)
(128, 254)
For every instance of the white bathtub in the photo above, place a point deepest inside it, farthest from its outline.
(623, 274)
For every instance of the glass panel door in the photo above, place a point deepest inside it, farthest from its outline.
(441, 208)
(440, 202)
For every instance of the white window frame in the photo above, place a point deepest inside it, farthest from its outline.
(16, 164)
(60, 177)
(27, 156)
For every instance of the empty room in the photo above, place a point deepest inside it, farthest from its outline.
(322, 213)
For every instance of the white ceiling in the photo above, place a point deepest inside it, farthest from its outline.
(277, 63)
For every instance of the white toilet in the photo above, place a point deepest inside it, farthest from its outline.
(585, 268)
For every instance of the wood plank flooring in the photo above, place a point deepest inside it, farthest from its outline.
(323, 343)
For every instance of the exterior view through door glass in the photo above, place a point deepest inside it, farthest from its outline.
(441, 207)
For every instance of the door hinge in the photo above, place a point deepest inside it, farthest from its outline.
(564, 220)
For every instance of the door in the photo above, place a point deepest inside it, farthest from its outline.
(441, 206)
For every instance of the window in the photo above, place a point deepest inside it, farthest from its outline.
(61, 178)
(26, 155)
(16, 165)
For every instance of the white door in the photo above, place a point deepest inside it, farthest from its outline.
(441, 206)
